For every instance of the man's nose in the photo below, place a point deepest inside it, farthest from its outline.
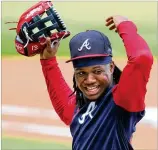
(90, 79)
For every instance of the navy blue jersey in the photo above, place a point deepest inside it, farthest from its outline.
(103, 125)
(109, 122)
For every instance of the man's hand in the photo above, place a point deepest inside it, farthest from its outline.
(49, 51)
(113, 21)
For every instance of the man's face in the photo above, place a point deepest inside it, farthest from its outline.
(93, 80)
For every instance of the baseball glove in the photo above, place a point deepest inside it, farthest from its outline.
(38, 22)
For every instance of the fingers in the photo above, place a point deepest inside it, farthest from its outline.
(116, 19)
(109, 18)
(112, 27)
(48, 44)
(113, 21)
(109, 22)
(50, 49)
(55, 43)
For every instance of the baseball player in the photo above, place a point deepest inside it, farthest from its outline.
(106, 104)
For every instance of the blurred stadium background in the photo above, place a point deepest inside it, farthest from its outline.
(28, 119)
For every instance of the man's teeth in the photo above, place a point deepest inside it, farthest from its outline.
(91, 88)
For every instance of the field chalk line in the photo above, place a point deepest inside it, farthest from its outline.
(36, 128)
(14, 110)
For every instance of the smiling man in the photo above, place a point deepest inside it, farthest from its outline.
(106, 104)
(93, 80)
(92, 63)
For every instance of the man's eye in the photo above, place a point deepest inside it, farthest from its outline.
(98, 72)
(80, 74)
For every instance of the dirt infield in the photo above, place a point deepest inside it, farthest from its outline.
(23, 85)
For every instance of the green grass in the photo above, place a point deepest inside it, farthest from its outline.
(9, 143)
(80, 16)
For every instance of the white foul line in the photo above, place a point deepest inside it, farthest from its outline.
(14, 110)
(29, 112)
(36, 128)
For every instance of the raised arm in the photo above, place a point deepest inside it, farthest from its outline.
(57, 88)
(131, 90)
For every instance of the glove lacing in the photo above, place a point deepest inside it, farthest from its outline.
(55, 41)
(27, 37)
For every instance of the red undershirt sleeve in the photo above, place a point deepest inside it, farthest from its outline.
(58, 90)
(130, 92)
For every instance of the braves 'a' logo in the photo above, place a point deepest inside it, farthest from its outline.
(85, 44)
(89, 111)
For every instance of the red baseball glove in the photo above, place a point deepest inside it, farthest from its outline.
(35, 24)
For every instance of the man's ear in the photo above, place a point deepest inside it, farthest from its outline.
(112, 67)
